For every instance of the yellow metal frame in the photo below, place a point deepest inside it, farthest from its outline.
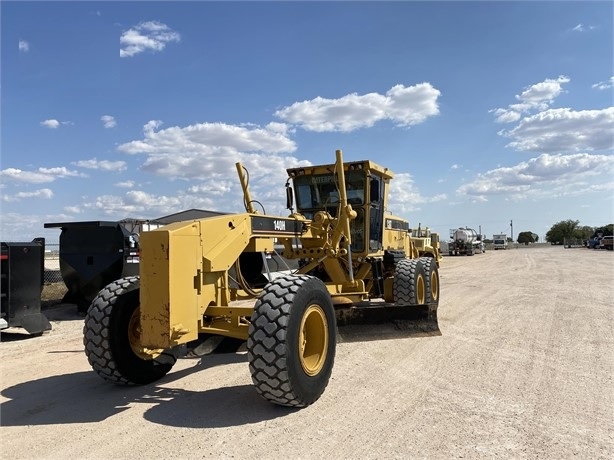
(186, 286)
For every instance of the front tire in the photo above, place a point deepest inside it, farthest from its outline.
(292, 340)
(409, 287)
(111, 336)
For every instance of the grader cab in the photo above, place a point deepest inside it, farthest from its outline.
(209, 277)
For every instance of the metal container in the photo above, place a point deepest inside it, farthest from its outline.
(92, 255)
(21, 273)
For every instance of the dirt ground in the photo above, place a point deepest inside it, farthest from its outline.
(523, 369)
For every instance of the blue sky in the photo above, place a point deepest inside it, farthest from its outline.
(487, 112)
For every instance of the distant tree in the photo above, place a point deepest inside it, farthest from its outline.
(562, 230)
(584, 232)
(606, 230)
(526, 238)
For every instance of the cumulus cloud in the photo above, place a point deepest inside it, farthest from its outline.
(146, 36)
(53, 124)
(72, 209)
(24, 46)
(535, 97)
(125, 184)
(141, 204)
(43, 193)
(405, 198)
(103, 165)
(564, 130)
(545, 175)
(604, 84)
(108, 121)
(404, 106)
(38, 176)
(210, 149)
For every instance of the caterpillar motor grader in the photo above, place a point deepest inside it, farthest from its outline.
(356, 263)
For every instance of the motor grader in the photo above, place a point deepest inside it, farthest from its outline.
(355, 262)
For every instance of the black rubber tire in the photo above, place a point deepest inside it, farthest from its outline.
(431, 280)
(409, 286)
(276, 362)
(107, 339)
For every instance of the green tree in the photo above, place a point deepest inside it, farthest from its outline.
(584, 232)
(526, 238)
(562, 230)
(606, 230)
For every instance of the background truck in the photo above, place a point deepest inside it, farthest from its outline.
(499, 241)
(465, 241)
(198, 279)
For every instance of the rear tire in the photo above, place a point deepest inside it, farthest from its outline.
(111, 336)
(292, 340)
(409, 287)
(432, 280)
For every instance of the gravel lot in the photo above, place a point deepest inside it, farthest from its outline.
(523, 369)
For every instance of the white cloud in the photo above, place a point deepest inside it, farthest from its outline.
(125, 184)
(43, 193)
(404, 106)
(108, 121)
(72, 209)
(208, 150)
(39, 176)
(104, 165)
(564, 130)
(403, 196)
(582, 28)
(146, 36)
(140, 204)
(53, 124)
(534, 98)
(545, 175)
(24, 46)
(604, 84)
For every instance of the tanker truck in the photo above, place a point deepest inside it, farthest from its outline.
(465, 241)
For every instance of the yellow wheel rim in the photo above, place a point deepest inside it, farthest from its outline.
(421, 290)
(434, 286)
(134, 336)
(313, 340)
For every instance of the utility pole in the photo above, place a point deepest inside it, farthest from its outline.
(512, 230)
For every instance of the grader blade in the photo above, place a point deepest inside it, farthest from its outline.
(212, 344)
(377, 321)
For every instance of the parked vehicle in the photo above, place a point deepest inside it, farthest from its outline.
(499, 241)
(607, 242)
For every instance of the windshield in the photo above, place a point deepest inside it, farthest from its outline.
(320, 191)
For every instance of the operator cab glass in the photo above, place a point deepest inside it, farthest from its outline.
(319, 192)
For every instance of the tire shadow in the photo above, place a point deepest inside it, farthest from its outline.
(83, 397)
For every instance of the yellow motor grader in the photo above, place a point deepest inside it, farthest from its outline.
(354, 262)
